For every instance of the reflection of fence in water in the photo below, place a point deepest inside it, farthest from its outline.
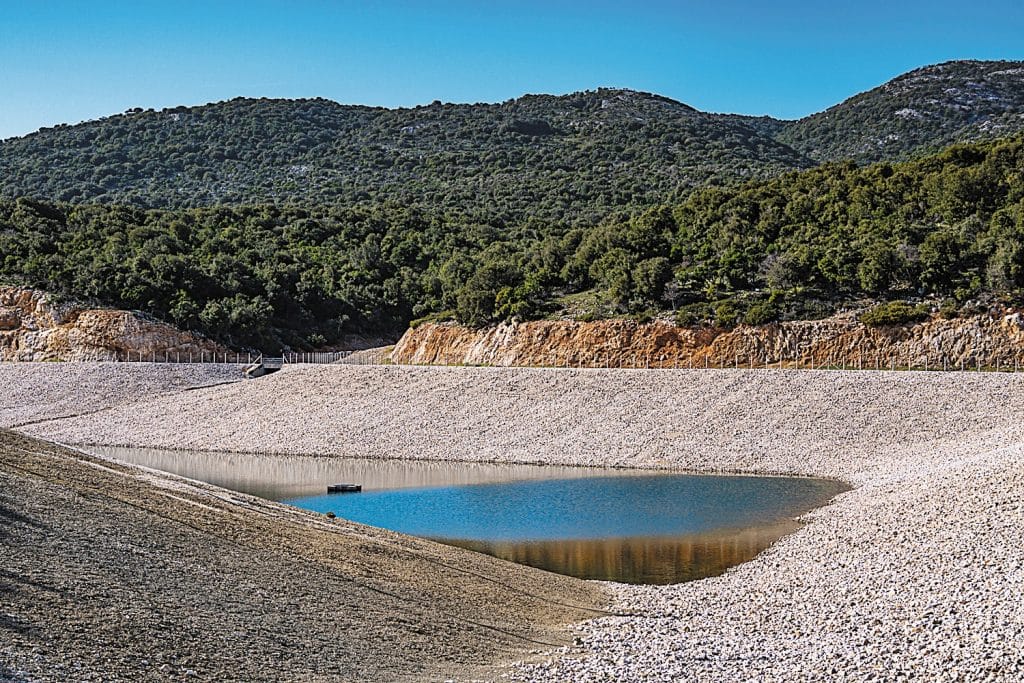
(291, 476)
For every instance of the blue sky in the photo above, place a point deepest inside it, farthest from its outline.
(64, 62)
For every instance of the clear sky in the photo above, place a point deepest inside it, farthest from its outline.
(64, 62)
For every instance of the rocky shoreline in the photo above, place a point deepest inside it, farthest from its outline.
(915, 573)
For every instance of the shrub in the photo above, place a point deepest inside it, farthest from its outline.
(949, 310)
(726, 313)
(893, 313)
(693, 315)
(761, 314)
(441, 316)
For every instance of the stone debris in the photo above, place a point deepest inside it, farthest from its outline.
(916, 573)
(993, 339)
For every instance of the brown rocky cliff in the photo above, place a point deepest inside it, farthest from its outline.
(992, 340)
(33, 328)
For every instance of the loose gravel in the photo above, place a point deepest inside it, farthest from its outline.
(31, 392)
(917, 573)
(116, 573)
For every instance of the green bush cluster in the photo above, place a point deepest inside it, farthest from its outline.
(949, 226)
(894, 313)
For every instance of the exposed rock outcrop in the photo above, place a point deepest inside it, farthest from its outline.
(34, 328)
(994, 339)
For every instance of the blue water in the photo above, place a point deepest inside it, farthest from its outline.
(620, 525)
(578, 509)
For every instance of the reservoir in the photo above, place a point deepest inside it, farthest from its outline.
(633, 526)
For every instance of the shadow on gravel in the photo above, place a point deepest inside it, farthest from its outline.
(9, 517)
(9, 582)
(11, 623)
(8, 676)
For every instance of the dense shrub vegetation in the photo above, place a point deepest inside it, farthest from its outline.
(947, 227)
(921, 111)
(574, 157)
(894, 313)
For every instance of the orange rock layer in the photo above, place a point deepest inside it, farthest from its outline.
(990, 340)
(32, 328)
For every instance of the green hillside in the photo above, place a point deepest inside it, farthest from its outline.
(577, 156)
(574, 158)
(923, 110)
(948, 228)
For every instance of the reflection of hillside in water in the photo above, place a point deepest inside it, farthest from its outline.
(639, 560)
(284, 477)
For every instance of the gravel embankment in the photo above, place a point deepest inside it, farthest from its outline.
(42, 391)
(842, 424)
(114, 573)
(916, 573)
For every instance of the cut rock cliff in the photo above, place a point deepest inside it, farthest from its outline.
(994, 339)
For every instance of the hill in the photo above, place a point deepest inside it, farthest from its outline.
(920, 111)
(947, 228)
(574, 156)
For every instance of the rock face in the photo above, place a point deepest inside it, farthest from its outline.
(995, 339)
(32, 328)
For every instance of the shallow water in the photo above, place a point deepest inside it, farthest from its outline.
(632, 526)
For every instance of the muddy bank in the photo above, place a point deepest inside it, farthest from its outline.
(132, 575)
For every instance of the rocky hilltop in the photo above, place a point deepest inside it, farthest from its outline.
(569, 157)
(994, 339)
(35, 328)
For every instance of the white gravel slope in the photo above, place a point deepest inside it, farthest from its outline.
(918, 572)
(917, 580)
(41, 391)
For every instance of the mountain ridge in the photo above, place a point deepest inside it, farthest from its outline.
(575, 157)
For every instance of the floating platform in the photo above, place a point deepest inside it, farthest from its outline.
(344, 488)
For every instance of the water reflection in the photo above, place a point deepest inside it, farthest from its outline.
(643, 560)
(621, 525)
(288, 477)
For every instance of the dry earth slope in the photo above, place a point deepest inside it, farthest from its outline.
(114, 573)
(915, 574)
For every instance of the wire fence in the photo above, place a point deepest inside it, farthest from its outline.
(599, 360)
(229, 357)
(706, 362)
